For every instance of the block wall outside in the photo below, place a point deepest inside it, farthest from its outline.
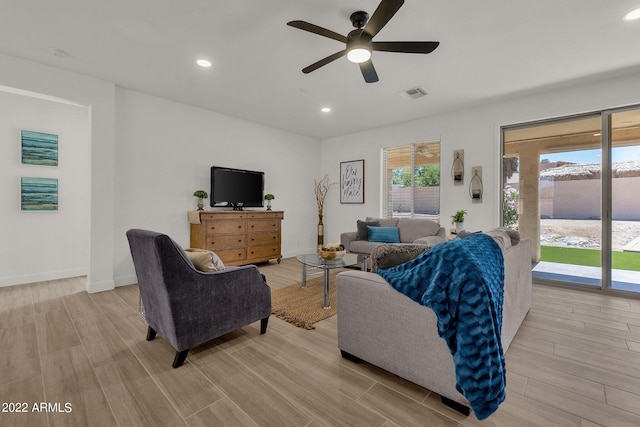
(580, 199)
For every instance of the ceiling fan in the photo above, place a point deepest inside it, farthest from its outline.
(359, 43)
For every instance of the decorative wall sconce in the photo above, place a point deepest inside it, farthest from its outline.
(475, 185)
(457, 168)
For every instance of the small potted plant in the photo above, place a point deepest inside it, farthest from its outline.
(200, 194)
(458, 219)
(269, 197)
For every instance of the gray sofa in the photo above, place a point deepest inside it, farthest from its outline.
(382, 326)
(415, 231)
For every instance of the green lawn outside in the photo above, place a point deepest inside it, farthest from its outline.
(589, 257)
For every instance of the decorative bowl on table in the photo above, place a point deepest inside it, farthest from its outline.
(329, 255)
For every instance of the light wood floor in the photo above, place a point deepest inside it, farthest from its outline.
(574, 362)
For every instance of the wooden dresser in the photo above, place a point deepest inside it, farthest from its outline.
(238, 237)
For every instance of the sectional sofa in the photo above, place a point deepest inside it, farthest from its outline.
(382, 326)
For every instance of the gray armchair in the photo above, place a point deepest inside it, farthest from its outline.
(188, 307)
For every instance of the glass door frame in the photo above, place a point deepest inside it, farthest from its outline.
(606, 247)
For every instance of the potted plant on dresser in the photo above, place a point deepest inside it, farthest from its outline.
(269, 197)
(200, 194)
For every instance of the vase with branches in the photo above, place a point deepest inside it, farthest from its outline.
(321, 189)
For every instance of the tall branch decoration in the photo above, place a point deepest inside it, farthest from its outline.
(321, 189)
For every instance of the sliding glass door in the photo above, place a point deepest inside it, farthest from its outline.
(625, 199)
(572, 186)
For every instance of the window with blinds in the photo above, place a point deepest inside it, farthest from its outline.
(411, 175)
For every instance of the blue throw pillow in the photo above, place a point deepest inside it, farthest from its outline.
(384, 234)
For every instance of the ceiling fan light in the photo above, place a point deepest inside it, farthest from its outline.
(359, 55)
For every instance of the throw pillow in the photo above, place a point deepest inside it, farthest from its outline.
(387, 256)
(363, 231)
(217, 262)
(513, 234)
(384, 234)
(204, 260)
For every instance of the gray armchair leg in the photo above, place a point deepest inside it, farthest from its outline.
(263, 325)
(151, 334)
(181, 356)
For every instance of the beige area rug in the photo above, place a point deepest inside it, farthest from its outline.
(303, 307)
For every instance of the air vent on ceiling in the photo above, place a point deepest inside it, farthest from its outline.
(413, 93)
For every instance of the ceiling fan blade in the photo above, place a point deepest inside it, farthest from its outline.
(324, 61)
(385, 11)
(405, 47)
(369, 72)
(302, 25)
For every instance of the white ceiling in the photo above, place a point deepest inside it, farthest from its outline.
(489, 49)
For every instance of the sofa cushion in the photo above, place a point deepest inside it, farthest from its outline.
(412, 229)
(362, 247)
(429, 241)
(204, 260)
(385, 222)
(363, 231)
(384, 234)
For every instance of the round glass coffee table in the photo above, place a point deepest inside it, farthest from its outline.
(316, 261)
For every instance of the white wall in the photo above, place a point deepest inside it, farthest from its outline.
(44, 245)
(164, 151)
(477, 131)
(98, 97)
(162, 154)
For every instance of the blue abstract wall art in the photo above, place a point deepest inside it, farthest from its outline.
(39, 148)
(39, 194)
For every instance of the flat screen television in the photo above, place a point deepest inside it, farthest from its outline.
(236, 188)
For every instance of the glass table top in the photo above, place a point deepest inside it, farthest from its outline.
(315, 260)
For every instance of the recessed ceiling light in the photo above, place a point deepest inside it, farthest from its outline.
(203, 63)
(634, 14)
(325, 109)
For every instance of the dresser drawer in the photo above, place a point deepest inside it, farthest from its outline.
(225, 227)
(263, 239)
(263, 225)
(221, 216)
(265, 215)
(220, 242)
(232, 255)
(264, 252)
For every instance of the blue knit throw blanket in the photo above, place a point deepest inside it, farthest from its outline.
(462, 281)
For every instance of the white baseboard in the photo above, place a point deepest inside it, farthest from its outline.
(41, 277)
(107, 285)
(125, 280)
